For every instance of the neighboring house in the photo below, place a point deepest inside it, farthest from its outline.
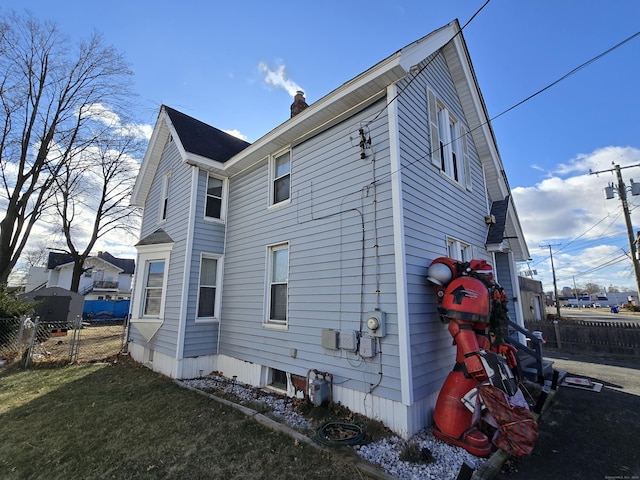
(307, 250)
(105, 278)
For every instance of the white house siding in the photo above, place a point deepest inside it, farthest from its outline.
(434, 208)
(164, 341)
(332, 198)
(201, 338)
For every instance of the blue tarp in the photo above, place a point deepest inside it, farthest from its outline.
(105, 309)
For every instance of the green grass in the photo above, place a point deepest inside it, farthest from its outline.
(120, 421)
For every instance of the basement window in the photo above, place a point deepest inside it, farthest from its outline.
(278, 379)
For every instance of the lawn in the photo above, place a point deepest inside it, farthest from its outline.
(120, 421)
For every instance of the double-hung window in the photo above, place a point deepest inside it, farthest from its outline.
(208, 287)
(281, 178)
(153, 288)
(449, 149)
(459, 250)
(277, 284)
(150, 287)
(213, 204)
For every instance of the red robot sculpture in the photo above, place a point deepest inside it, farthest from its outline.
(473, 306)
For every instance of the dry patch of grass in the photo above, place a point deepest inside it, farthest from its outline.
(92, 343)
(119, 420)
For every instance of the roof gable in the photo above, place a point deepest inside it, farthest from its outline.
(197, 142)
(338, 105)
(201, 139)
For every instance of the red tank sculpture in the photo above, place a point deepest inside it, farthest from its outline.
(474, 307)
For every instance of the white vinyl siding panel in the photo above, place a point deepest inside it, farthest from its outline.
(434, 208)
(323, 225)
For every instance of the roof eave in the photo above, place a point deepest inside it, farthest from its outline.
(161, 131)
(320, 113)
(360, 90)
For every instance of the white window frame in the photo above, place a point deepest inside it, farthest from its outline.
(217, 286)
(163, 212)
(459, 250)
(449, 142)
(269, 282)
(274, 177)
(223, 197)
(147, 289)
(147, 254)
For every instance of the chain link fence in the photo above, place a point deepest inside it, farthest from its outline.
(60, 342)
(15, 335)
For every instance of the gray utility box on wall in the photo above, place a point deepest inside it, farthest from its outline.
(329, 339)
(348, 340)
(367, 347)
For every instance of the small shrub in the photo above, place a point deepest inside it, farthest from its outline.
(10, 306)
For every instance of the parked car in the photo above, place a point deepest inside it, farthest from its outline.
(596, 305)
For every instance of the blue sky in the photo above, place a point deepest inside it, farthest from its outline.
(204, 58)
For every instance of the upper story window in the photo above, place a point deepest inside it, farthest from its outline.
(280, 166)
(459, 250)
(164, 199)
(214, 204)
(277, 284)
(449, 149)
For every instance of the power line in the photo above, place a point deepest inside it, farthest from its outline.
(417, 74)
(489, 120)
(572, 72)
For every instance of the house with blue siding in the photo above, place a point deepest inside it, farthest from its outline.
(304, 254)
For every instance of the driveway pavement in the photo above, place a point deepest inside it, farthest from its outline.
(584, 434)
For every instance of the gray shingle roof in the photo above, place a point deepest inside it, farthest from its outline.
(157, 237)
(202, 139)
(499, 210)
(127, 265)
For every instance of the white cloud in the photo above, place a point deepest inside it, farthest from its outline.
(102, 114)
(279, 78)
(236, 133)
(588, 232)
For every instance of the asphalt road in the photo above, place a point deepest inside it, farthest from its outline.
(585, 434)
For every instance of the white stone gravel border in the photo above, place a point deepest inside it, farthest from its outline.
(383, 454)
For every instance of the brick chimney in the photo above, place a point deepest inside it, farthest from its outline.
(298, 104)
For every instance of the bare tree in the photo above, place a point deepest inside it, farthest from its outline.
(591, 288)
(92, 193)
(47, 90)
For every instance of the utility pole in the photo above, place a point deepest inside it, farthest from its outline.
(622, 193)
(555, 283)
